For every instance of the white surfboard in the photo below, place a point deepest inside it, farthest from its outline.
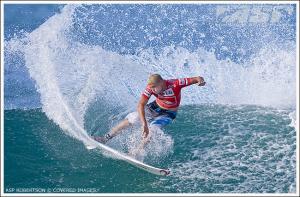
(122, 156)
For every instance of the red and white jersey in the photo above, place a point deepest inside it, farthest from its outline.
(170, 98)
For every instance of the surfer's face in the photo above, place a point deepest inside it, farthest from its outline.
(158, 87)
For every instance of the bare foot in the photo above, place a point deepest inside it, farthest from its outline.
(100, 139)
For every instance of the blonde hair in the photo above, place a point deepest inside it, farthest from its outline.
(154, 79)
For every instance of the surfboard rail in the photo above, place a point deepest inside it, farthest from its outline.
(132, 161)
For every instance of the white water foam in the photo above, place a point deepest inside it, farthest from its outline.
(159, 146)
(245, 157)
(293, 118)
(268, 79)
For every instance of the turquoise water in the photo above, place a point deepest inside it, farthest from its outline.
(216, 149)
(75, 70)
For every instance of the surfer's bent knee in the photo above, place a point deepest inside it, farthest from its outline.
(132, 117)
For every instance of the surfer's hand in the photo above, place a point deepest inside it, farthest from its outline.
(201, 81)
(202, 84)
(145, 131)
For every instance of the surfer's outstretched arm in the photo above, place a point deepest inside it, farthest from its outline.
(197, 80)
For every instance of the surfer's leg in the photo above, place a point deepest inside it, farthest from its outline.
(131, 118)
(113, 132)
(119, 127)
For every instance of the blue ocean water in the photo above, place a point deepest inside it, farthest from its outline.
(74, 70)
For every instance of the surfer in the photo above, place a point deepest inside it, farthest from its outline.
(160, 112)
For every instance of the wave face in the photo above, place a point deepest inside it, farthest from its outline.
(87, 59)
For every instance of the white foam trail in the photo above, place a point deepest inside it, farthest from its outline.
(70, 75)
(42, 68)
